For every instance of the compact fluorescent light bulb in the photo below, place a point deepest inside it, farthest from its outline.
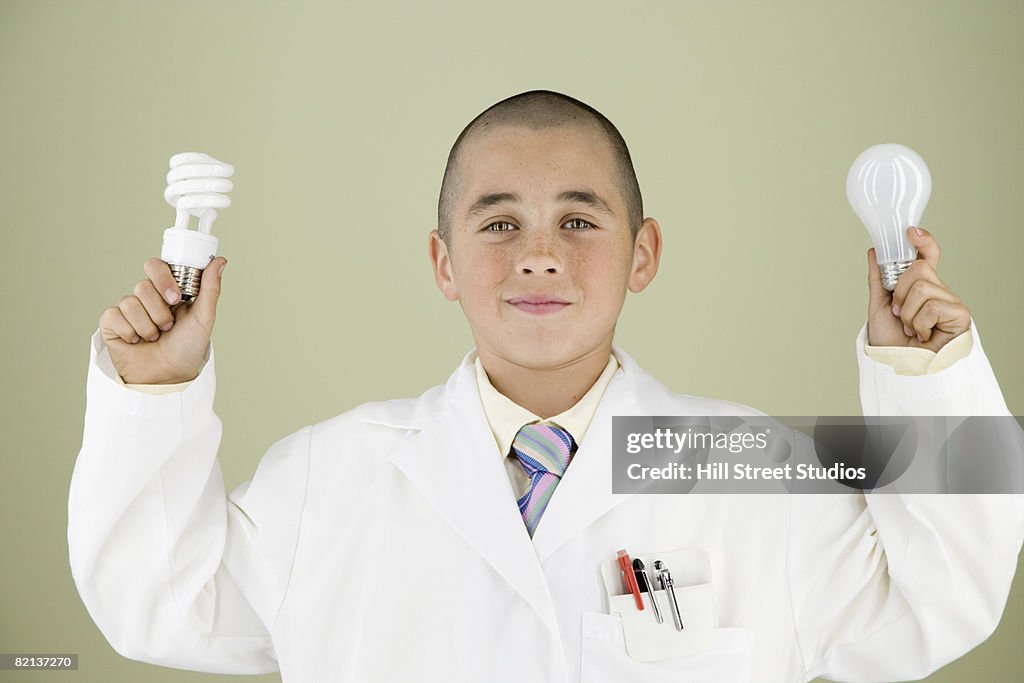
(888, 187)
(196, 186)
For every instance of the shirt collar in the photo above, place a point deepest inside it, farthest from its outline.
(505, 417)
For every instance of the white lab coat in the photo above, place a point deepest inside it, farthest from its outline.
(384, 544)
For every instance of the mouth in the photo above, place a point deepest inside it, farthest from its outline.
(539, 304)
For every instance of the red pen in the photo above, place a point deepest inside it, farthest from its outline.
(626, 567)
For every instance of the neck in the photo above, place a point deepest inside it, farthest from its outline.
(549, 391)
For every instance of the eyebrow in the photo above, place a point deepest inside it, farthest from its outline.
(586, 197)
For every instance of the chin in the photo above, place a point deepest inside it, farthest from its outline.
(543, 353)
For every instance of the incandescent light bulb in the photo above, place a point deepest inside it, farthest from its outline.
(888, 187)
(196, 186)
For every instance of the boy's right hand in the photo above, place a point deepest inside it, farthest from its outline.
(153, 342)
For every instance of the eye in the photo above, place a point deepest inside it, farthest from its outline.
(505, 226)
(580, 224)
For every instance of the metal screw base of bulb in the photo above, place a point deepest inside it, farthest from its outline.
(891, 273)
(188, 279)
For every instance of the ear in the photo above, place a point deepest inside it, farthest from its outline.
(646, 255)
(442, 264)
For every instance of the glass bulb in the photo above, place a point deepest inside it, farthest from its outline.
(888, 187)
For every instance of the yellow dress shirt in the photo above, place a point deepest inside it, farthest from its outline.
(506, 417)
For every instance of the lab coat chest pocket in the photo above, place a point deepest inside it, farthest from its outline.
(630, 644)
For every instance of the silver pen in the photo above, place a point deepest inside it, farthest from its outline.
(665, 579)
(645, 587)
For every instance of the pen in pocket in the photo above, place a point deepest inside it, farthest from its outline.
(665, 579)
(626, 567)
(645, 587)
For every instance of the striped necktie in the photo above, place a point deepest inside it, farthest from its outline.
(544, 452)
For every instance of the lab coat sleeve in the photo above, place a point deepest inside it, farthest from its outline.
(172, 571)
(967, 387)
(894, 586)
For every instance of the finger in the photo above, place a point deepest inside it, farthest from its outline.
(156, 307)
(113, 326)
(205, 305)
(135, 313)
(878, 295)
(941, 315)
(163, 281)
(921, 292)
(927, 247)
(918, 270)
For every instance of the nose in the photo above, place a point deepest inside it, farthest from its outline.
(540, 254)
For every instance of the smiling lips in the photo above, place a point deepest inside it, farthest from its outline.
(539, 304)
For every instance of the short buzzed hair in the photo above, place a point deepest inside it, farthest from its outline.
(539, 110)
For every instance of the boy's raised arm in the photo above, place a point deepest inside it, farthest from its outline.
(885, 586)
(171, 570)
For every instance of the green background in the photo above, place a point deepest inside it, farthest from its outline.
(742, 118)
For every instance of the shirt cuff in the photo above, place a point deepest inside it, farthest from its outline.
(912, 360)
(157, 388)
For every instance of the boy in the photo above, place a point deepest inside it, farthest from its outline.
(458, 536)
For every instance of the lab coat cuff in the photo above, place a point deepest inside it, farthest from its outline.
(105, 385)
(967, 387)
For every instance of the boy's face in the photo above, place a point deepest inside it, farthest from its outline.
(542, 277)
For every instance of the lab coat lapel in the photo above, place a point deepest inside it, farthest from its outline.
(454, 461)
(585, 491)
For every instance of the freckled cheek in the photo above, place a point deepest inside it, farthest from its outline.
(600, 276)
(483, 274)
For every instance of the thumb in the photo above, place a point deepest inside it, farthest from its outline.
(927, 248)
(205, 305)
(878, 295)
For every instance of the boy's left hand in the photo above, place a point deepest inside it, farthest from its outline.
(921, 305)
